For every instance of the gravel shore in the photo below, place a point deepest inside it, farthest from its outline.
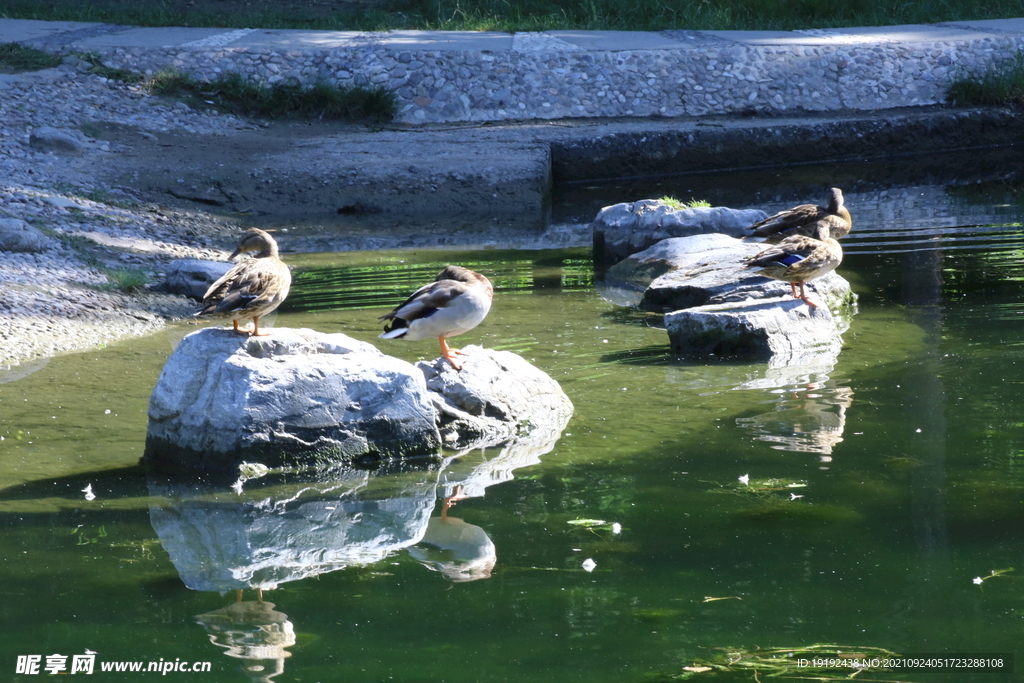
(66, 297)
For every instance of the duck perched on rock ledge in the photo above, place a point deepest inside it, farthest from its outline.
(799, 259)
(805, 219)
(456, 302)
(251, 289)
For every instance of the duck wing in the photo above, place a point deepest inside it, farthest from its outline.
(247, 285)
(788, 252)
(789, 220)
(427, 300)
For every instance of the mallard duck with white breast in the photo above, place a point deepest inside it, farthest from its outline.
(252, 288)
(805, 219)
(799, 259)
(454, 303)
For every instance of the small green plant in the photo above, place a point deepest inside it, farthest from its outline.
(20, 58)
(678, 205)
(1001, 85)
(234, 93)
(126, 279)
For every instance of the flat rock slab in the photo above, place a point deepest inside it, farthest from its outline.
(296, 398)
(624, 229)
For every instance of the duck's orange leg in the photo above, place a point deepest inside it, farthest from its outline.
(256, 328)
(803, 295)
(792, 289)
(238, 329)
(449, 353)
(456, 496)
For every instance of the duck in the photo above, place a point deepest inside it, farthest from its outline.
(454, 303)
(799, 259)
(805, 219)
(252, 288)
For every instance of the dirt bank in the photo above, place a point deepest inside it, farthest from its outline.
(405, 180)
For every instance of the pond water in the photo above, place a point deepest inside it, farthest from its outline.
(877, 488)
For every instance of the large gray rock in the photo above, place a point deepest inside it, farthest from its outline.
(17, 235)
(294, 398)
(714, 306)
(785, 331)
(627, 228)
(63, 142)
(716, 276)
(495, 398)
(192, 277)
(683, 272)
(301, 398)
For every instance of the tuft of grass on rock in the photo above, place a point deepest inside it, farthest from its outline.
(17, 57)
(1001, 85)
(679, 205)
(235, 94)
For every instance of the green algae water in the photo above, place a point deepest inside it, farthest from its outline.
(689, 516)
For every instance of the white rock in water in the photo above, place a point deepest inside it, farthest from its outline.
(624, 229)
(296, 397)
(496, 396)
(785, 331)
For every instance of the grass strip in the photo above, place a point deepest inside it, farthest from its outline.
(321, 100)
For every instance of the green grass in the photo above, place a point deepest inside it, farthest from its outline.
(19, 58)
(233, 93)
(528, 15)
(1002, 85)
(100, 69)
(679, 205)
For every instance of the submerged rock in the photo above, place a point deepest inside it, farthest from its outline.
(300, 398)
(627, 228)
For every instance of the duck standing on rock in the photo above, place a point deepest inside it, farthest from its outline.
(799, 259)
(805, 219)
(252, 288)
(456, 302)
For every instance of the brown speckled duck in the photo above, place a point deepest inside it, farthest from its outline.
(799, 259)
(456, 302)
(252, 288)
(805, 219)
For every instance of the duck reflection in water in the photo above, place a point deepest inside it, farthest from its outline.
(462, 552)
(812, 421)
(254, 632)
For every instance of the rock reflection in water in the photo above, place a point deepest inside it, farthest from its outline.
(810, 420)
(253, 631)
(264, 530)
(220, 540)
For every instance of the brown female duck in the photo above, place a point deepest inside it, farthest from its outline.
(799, 259)
(252, 288)
(805, 219)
